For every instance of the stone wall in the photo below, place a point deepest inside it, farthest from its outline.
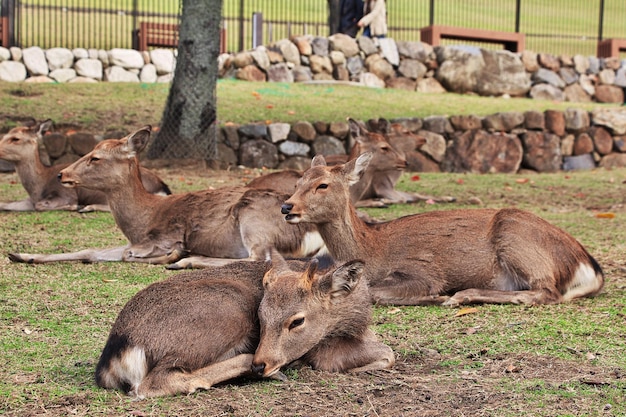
(504, 142)
(413, 66)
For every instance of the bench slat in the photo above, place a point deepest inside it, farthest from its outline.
(513, 41)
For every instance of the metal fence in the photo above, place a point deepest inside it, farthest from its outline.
(557, 27)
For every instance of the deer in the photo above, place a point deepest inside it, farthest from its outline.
(270, 316)
(376, 188)
(202, 228)
(449, 257)
(21, 147)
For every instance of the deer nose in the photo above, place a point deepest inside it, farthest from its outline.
(286, 208)
(59, 176)
(258, 368)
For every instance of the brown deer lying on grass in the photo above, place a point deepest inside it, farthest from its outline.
(21, 147)
(200, 328)
(376, 187)
(230, 223)
(445, 257)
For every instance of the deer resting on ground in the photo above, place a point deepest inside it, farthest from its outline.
(231, 223)
(199, 328)
(21, 147)
(376, 187)
(445, 257)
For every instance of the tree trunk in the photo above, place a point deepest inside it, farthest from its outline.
(188, 124)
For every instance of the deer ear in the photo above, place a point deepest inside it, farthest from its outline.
(355, 128)
(318, 160)
(345, 278)
(137, 141)
(355, 168)
(383, 125)
(44, 126)
(278, 266)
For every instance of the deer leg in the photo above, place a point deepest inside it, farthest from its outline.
(86, 256)
(388, 296)
(480, 296)
(94, 207)
(153, 254)
(55, 204)
(170, 381)
(22, 205)
(192, 262)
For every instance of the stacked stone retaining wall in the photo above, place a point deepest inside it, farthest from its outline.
(413, 66)
(504, 142)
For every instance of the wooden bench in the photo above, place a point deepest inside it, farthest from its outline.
(4, 31)
(165, 35)
(608, 48)
(512, 41)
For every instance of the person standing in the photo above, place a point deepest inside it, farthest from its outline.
(375, 19)
(351, 11)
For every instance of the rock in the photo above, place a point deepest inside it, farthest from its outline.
(534, 120)
(414, 50)
(412, 68)
(549, 61)
(344, 43)
(550, 77)
(12, 71)
(389, 51)
(583, 144)
(481, 152)
(278, 131)
(321, 64)
(429, 85)
(573, 163)
(5, 54)
(612, 118)
(258, 153)
(576, 93)
(119, 74)
(458, 68)
(435, 145)
(82, 143)
(503, 74)
(371, 80)
(367, 45)
(555, 122)
(253, 130)
(609, 94)
(148, 74)
(163, 61)
(328, 145)
(581, 64)
(469, 122)
(90, 68)
(126, 58)
(320, 46)
(613, 160)
(280, 73)
(291, 148)
(250, 73)
(59, 58)
(542, 151)
(546, 92)
(304, 131)
(529, 59)
(438, 124)
(289, 51)
(602, 140)
(576, 120)
(35, 61)
(63, 75)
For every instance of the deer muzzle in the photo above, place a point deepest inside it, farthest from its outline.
(65, 181)
(289, 216)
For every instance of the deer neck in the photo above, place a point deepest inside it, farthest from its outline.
(347, 237)
(132, 206)
(33, 174)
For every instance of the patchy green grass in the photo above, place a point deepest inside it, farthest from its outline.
(562, 360)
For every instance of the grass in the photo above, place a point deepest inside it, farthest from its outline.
(55, 318)
(96, 107)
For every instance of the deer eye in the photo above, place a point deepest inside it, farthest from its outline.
(93, 159)
(296, 323)
(322, 186)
